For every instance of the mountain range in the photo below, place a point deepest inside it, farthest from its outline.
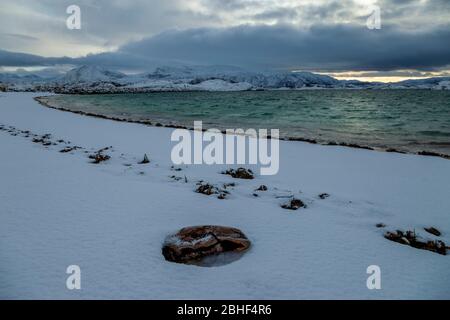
(96, 79)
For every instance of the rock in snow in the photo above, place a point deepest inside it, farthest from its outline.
(194, 243)
(59, 210)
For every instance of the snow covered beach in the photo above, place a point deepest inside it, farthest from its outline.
(111, 219)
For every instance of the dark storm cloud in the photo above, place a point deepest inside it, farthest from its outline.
(327, 48)
(311, 35)
(8, 58)
(324, 47)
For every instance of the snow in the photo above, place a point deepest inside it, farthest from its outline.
(220, 85)
(97, 79)
(90, 74)
(59, 210)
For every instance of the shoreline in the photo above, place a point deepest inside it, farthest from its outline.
(91, 201)
(41, 100)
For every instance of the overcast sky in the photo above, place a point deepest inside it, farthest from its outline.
(315, 35)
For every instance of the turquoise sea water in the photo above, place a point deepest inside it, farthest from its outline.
(408, 120)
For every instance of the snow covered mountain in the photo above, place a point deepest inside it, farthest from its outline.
(96, 79)
(196, 75)
(437, 83)
(16, 78)
(90, 74)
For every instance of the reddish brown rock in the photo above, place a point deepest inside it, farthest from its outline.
(192, 244)
(98, 158)
(411, 239)
(240, 173)
(294, 204)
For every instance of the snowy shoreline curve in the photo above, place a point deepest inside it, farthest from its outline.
(111, 219)
(43, 100)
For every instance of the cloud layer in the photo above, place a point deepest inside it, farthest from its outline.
(342, 47)
(282, 34)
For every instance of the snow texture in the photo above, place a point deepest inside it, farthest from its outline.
(96, 79)
(111, 219)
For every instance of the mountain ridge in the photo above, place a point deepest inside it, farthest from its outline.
(97, 79)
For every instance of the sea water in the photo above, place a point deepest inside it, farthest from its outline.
(406, 120)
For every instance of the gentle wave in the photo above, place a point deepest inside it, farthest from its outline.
(404, 120)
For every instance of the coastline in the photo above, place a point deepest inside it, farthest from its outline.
(42, 100)
(112, 218)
